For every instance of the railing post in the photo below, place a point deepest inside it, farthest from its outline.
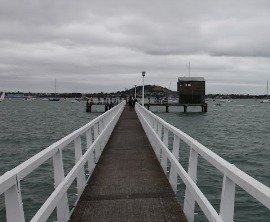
(163, 156)
(97, 154)
(153, 122)
(91, 161)
(81, 175)
(95, 131)
(189, 202)
(173, 174)
(89, 140)
(159, 130)
(227, 199)
(14, 205)
(100, 129)
(156, 126)
(59, 175)
(166, 137)
(102, 125)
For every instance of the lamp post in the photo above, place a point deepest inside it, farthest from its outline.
(143, 75)
(135, 94)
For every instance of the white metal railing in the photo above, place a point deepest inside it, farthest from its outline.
(97, 133)
(157, 131)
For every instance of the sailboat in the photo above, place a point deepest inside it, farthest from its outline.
(54, 98)
(267, 100)
(2, 97)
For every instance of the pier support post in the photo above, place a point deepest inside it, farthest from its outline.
(81, 182)
(189, 202)
(163, 157)
(96, 150)
(91, 161)
(167, 108)
(14, 206)
(88, 108)
(59, 175)
(173, 175)
(227, 199)
(204, 108)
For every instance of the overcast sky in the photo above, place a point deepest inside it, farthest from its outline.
(98, 45)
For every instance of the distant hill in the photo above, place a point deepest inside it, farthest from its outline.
(150, 90)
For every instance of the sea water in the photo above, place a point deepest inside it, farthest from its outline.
(238, 131)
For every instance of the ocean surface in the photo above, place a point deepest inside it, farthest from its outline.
(238, 131)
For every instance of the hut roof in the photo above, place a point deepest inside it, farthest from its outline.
(200, 79)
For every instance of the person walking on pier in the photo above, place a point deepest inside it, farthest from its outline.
(130, 103)
(134, 102)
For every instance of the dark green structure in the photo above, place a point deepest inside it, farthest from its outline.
(191, 90)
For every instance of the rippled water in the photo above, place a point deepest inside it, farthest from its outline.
(26, 128)
(238, 131)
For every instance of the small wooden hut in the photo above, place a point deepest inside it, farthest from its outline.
(191, 90)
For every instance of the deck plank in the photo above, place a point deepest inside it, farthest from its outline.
(128, 183)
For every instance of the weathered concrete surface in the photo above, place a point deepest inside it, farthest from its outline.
(128, 183)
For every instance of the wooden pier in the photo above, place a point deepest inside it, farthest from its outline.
(148, 105)
(128, 183)
(125, 162)
(107, 106)
(167, 105)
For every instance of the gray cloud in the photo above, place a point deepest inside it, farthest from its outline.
(104, 45)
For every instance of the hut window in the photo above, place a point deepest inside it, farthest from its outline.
(188, 84)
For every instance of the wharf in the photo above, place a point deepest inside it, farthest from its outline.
(128, 183)
(107, 106)
(148, 105)
(167, 105)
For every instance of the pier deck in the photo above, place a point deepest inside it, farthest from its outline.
(128, 183)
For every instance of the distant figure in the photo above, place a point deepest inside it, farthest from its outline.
(130, 103)
(134, 102)
(106, 105)
(88, 106)
(91, 101)
(111, 105)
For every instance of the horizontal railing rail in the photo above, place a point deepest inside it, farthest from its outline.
(97, 134)
(157, 131)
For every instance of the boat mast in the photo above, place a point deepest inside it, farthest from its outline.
(55, 88)
(189, 69)
(267, 90)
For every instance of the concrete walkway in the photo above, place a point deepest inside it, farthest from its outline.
(128, 183)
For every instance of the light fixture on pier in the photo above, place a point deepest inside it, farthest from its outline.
(143, 75)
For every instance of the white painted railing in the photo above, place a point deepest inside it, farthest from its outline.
(157, 131)
(97, 133)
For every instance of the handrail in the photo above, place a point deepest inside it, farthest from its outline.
(97, 134)
(157, 131)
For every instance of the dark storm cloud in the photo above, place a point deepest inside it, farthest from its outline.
(103, 45)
